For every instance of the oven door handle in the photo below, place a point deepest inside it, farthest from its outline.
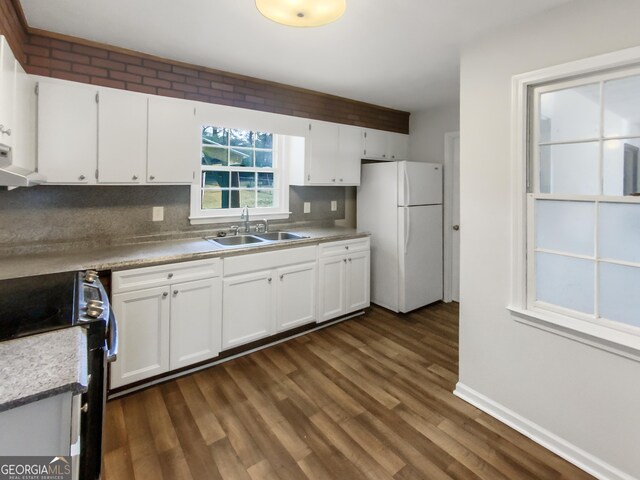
(112, 352)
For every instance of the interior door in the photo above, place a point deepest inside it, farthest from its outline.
(419, 183)
(421, 280)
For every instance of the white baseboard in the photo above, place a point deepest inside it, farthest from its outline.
(581, 459)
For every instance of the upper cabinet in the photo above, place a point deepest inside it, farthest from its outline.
(7, 93)
(67, 132)
(122, 137)
(174, 141)
(331, 156)
(89, 135)
(380, 145)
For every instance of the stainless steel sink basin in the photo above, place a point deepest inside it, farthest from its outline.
(236, 240)
(275, 236)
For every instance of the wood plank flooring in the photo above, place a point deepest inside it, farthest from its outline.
(369, 398)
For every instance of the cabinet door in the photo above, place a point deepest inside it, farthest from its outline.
(358, 291)
(296, 298)
(7, 92)
(173, 148)
(350, 152)
(323, 153)
(195, 321)
(122, 137)
(247, 312)
(332, 288)
(398, 146)
(67, 132)
(376, 144)
(24, 145)
(143, 324)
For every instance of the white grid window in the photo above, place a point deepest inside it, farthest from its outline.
(583, 201)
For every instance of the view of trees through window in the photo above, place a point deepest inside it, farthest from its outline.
(238, 169)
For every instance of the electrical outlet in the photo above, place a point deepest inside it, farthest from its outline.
(307, 207)
(334, 205)
(158, 214)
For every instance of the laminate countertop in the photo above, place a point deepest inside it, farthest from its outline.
(43, 365)
(148, 253)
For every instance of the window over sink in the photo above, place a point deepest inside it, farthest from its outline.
(239, 168)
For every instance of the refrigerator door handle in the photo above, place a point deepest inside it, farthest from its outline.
(407, 233)
(407, 186)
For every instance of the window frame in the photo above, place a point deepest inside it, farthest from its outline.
(614, 337)
(198, 215)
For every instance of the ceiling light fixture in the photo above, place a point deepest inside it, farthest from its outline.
(302, 13)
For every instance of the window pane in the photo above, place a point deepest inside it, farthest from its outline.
(565, 226)
(264, 140)
(216, 179)
(240, 157)
(265, 180)
(619, 299)
(564, 281)
(215, 199)
(243, 198)
(570, 168)
(243, 179)
(215, 156)
(264, 159)
(266, 198)
(241, 138)
(622, 107)
(570, 114)
(215, 135)
(619, 232)
(621, 167)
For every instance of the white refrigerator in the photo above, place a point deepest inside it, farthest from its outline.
(400, 205)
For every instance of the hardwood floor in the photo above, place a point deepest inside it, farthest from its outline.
(369, 398)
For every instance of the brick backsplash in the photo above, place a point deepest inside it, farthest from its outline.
(53, 55)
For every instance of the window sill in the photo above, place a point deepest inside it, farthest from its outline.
(236, 218)
(598, 336)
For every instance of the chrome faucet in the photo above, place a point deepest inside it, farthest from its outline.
(245, 217)
(266, 225)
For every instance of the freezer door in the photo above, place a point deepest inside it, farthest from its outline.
(420, 255)
(419, 183)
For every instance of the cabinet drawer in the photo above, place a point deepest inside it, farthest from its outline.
(342, 247)
(149, 277)
(265, 261)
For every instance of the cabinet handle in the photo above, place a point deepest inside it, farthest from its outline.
(384, 156)
(333, 179)
(4, 131)
(165, 294)
(175, 292)
(81, 177)
(135, 177)
(341, 180)
(282, 277)
(170, 275)
(346, 247)
(344, 260)
(84, 408)
(269, 279)
(349, 260)
(151, 177)
(393, 156)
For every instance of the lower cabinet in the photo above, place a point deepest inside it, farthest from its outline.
(344, 285)
(169, 326)
(267, 293)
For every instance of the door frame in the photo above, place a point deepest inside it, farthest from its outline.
(449, 138)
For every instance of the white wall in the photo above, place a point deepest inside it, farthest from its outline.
(427, 129)
(586, 396)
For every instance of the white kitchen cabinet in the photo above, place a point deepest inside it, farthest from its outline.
(143, 322)
(67, 132)
(24, 143)
(247, 308)
(331, 156)
(7, 93)
(173, 141)
(381, 145)
(344, 278)
(122, 136)
(173, 324)
(266, 293)
(295, 296)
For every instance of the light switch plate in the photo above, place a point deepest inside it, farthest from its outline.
(307, 207)
(158, 214)
(334, 205)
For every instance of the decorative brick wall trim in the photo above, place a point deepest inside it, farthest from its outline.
(54, 55)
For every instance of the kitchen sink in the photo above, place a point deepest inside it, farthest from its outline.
(236, 240)
(275, 236)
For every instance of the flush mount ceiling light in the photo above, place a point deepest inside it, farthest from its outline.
(302, 13)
